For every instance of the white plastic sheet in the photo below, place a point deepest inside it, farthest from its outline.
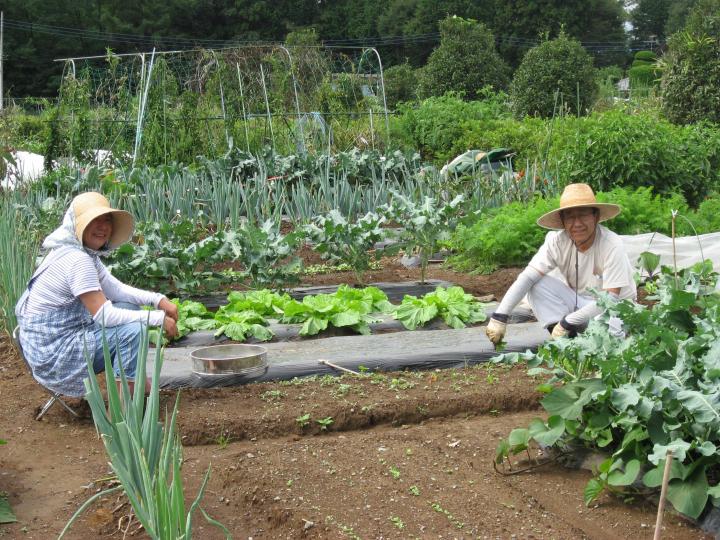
(27, 167)
(688, 249)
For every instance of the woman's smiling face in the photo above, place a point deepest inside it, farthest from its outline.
(98, 231)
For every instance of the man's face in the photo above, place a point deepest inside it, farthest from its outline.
(580, 223)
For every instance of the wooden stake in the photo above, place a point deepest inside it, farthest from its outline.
(663, 493)
(340, 368)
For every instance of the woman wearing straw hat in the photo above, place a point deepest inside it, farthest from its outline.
(72, 299)
(586, 255)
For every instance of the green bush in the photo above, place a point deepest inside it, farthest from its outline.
(506, 236)
(435, 125)
(632, 150)
(644, 71)
(400, 84)
(643, 211)
(611, 74)
(643, 75)
(707, 217)
(690, 86)
(557, 67)
(509, 236)
(646, 56)
(527, 138)
(466, 61)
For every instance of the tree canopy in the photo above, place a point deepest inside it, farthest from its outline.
(37, 31)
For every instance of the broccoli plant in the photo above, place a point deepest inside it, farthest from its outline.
(424, 224)
(267, 255)
(337, 239)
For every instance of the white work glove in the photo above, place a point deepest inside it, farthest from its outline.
(495, 330)
(559, 332)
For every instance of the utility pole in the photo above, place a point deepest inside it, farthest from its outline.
(2, 27)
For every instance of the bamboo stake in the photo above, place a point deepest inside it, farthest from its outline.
(663, 493)
(674, 216)
(335, 366)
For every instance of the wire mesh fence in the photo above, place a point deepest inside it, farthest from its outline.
(173, 106)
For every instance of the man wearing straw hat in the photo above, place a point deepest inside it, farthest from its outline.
(587, 256)
(72, 301)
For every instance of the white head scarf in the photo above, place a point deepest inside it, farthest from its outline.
(64, 236)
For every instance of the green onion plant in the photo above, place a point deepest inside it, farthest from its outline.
(145, 456)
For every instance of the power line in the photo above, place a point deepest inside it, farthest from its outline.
(178, 42)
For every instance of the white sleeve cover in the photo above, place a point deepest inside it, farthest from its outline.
(117, 291)
(110, 316)
(583, 315)
(518, 290)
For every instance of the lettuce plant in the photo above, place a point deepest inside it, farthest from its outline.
(456, 307)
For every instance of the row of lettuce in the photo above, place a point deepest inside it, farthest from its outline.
(247, 314)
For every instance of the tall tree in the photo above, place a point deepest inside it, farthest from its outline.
(519, 23)
(649, 19)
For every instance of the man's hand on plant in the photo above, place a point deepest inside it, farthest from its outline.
(495, 330)
(564, 329)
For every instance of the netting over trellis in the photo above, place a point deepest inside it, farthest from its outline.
(174, 106)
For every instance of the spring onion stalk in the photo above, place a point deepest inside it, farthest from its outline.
(145, 455)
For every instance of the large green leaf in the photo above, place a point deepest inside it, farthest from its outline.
(518, 440)
(704, 407)
(6, 513)
(625, 477)
(568, 401)
(547, 434)
(653, 478)
(678, 447)
(689, 496)
(345, 318)
(236, 331)
(313, 326)
(413, 314)
(625, 396)
(592, 491)
(260, 332)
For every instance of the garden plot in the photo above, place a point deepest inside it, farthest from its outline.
(406, 454)
(385, 352)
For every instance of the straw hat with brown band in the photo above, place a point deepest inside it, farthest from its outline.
(577, 196)
(91, 205)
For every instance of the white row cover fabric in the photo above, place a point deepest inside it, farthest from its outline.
(688, 249)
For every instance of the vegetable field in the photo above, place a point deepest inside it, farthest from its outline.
(396, 455)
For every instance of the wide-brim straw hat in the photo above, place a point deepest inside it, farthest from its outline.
(91, 205)
(577, 196)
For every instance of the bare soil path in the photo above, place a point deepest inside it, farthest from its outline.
(407, 455)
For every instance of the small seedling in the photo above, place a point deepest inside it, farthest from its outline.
(397, 522)
(223, 440)
(395, 472)
(303, 420)
(324, 422)
(271, 395)
(341, 390)
(414, 490)
(400, 384)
